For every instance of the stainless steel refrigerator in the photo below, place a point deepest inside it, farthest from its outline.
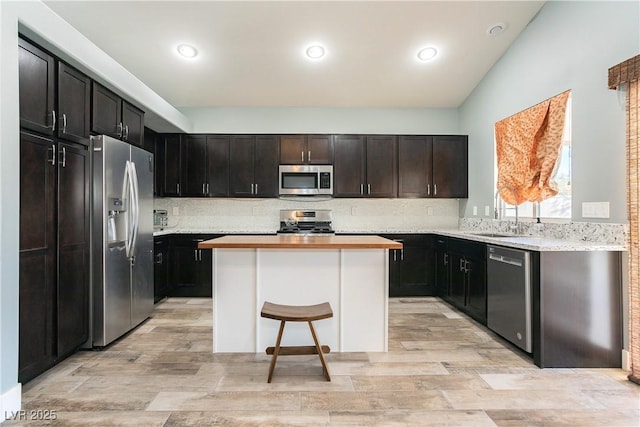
(122, 227)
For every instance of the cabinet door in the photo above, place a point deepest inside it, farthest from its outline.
(477, 289)
(171, 165)
(205, 279)
(349, 166)
(149, 143)
(37, 265)
(457, 280)
(184, 269)
(319, 150)
(73, 247)
(292, 149)
(450, 167)
(266, 166)
(37, 88)
(133, 123)
(414, 166)
(74, 104)
(381, 167)
(160, 268)
(441, 267)
(106, 112)
(241, 152)
(218, 165)
(194, 166)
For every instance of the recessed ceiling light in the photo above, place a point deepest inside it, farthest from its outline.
(427, 53)
(315, 51)
(187, 51)
(496, 29)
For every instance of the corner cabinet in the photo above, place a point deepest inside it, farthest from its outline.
(433, 166)
(253, 166)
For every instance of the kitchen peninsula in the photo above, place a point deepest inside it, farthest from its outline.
(350, 272)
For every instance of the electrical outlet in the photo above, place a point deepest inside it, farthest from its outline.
(487, 211)
(475, 211)
(595, 210)
(354, 210)
(176, 210)
(429, 210)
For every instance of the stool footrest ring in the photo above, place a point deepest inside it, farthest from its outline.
(298, 350)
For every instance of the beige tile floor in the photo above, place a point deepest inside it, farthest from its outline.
(441, 369)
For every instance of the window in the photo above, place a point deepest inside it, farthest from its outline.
(558, 206)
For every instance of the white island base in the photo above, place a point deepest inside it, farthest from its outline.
(354, 281)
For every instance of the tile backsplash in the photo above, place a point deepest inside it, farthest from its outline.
(349, 215)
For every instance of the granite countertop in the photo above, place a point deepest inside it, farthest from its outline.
(533, 243)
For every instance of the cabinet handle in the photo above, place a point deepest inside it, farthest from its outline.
(309, 156)
(52, 160)
(251, 188)
(402, 254)
(64, 123)
(428, 189)
(446, 258)
(119, 129)
(368, 188)
(435, 189)
(177, 188)
(207, 193)
(461, 264)
(53, 121)
(395, 251)
(256, 189)
(159, 258)
(203, 188)
(126, 132)
(466, 266)
(195, 255)
(302, 156)
(361, 188)
(63, 161)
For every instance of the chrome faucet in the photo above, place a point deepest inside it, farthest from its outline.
(515, 226)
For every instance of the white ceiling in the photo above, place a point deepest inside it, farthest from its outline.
(251, 53)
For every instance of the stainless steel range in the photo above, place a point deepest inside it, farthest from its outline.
(306, 222)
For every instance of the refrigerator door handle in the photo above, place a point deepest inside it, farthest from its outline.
(126, 196)
(136, 212)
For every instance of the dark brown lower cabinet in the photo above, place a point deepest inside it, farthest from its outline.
(467, 277)
(54, 252)
(160, 267)
(190, 268)
(411, 269)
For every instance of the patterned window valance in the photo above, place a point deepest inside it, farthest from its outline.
(528, 145)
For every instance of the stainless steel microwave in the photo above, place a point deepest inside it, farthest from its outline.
(306, 180)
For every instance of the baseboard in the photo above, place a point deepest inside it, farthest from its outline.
(626, 360)
(10, 403)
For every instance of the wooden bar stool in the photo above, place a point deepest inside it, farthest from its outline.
(297, 313)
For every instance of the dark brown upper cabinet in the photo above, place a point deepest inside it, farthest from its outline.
(37, 89)
(113, 116)
(365, 166)
(306, 149)
(450, 166)
(169, 175)
(74, 104)
(206, 166)
(253, 166)
(433, 166)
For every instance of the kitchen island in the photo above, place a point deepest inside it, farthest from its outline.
(349, 272)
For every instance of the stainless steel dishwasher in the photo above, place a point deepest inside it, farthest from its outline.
(509, 294)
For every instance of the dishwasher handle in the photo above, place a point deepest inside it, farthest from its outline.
(506, 260)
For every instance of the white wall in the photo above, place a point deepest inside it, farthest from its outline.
(323, 120)
(569, 45)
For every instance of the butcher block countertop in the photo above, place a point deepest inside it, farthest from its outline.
(300, 242)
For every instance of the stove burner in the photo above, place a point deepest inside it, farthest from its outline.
(305, 222)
